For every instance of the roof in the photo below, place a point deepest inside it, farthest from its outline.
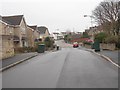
(76, 36)
(42, 29)
(4, 20)
(55, 33)
(0, 17)
(33, 27)
(12, 20)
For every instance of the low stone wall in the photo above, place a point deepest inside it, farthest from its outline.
(6, 48)
(6, 54)
(87, 46)
(107, 46)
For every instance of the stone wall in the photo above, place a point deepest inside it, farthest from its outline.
(7, 48)
(87, 46)
(107, 46)
(6, 41)
(30, 36)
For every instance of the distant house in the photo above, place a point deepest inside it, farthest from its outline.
(64, 33)
(55, 35)
(58, 35)
(6, 39)
(76, 38)
(20, 30)
(43, 32)
(36, 34)
(93, 31)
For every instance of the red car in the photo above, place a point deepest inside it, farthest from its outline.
(75, 45)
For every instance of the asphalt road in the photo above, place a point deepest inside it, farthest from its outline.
(66, 68)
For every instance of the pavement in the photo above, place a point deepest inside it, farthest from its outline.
(112, 56)
(18, 58)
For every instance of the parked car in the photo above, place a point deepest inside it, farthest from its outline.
(75, 45)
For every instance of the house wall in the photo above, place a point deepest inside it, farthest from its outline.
(43, 36)
(21, 31)
(36, 35)
(17, 33)
(6, 41)
(30, 36)
(46, 33)
(0, 40)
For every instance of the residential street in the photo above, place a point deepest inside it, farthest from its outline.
(67, 68)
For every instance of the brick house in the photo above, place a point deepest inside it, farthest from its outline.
(6, 39)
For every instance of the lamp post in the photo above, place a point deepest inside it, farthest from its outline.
(90, 18)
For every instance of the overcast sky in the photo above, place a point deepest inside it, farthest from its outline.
(54, 14)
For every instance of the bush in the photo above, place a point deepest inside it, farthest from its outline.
(100, 37)
(118, 43)
(111, 39)
(25, 49)
(48, 43)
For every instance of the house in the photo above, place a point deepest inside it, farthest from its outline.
(43, 32)
(58, 35)
(36, 35)
(6, 39)
(20, 30)
(55, 34)
(30, 36)
(76, 38)
(64, 33)
(93, 31)
(51, 37)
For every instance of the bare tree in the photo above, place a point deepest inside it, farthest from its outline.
(106, 14)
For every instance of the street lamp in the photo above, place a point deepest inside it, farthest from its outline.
(90, 18)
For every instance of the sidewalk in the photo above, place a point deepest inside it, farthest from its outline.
(112, 56)
(18, 58)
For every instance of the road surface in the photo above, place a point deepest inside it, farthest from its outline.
(66, 68)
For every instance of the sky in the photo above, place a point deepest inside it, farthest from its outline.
(56, 15)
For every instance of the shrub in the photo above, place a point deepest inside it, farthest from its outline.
(100, 37)
(25, 49)
(118, 43)
(111, 39)
(48, 43)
